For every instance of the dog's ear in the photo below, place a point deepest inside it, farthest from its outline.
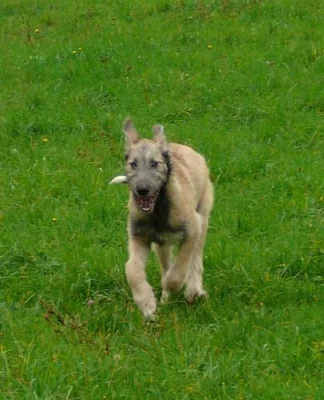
(131, 135)
(159, 137)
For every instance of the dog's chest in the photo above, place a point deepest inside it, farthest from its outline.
(156, 227)
(160, 233)
(162, 238)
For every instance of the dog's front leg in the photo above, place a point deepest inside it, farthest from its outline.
(164, 253)
(135, 272)
(176, 275)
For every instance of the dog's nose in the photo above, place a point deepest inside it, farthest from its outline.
(142, 191)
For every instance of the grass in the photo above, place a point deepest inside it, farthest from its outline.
(240, 81)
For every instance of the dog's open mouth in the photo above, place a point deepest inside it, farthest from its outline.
(146, 203)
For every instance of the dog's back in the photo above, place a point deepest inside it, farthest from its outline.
(190, 185)
(190, 167)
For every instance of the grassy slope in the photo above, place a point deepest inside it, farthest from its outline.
(241, 81)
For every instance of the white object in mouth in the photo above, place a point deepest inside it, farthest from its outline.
(119, 179)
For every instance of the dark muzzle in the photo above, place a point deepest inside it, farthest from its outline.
(144, 200)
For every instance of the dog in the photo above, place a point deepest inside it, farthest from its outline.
(170, 201)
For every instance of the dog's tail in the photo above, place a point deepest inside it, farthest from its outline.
(119, 179)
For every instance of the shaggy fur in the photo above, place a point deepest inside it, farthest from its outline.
(171, 197)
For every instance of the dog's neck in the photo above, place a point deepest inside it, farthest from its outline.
(160, 214)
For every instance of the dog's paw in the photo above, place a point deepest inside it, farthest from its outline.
(164, 297)
(173, 282)
(148, 307)
(149, 316)
(192, 295)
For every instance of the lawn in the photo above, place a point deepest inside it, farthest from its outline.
(239, 80)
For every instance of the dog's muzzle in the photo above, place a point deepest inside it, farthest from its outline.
(144, 200)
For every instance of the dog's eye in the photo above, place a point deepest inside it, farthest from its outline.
(154, 164)
(133, 164)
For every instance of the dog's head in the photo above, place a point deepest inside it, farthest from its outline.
(147, 165)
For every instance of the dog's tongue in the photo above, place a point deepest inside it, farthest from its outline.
(145, 203)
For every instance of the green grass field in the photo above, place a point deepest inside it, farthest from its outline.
(242, 81)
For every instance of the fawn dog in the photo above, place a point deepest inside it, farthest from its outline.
(170, 200)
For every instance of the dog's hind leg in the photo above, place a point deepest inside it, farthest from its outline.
(164, 254)
(176, 275)
(135, 272)
(194, 284)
